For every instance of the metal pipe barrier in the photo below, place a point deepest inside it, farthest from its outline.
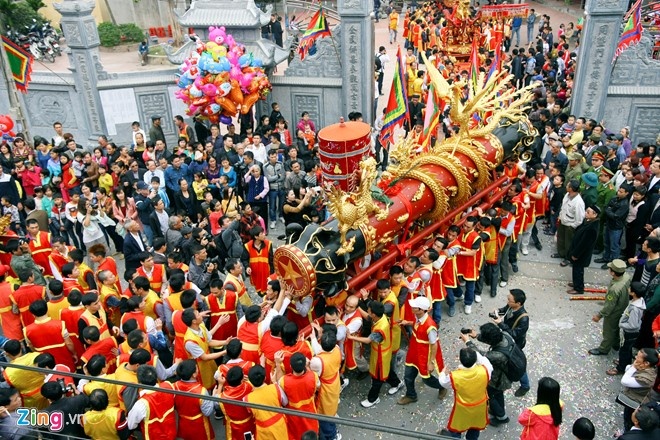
(286, 411)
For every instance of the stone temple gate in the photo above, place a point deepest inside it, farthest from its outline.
(631, 96)
(338, 79)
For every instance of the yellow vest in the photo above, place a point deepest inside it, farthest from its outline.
(125, 376)
(54, 308)
(470, 399)
(102, 425)
(150, 302)
(328, 401)
(28, 383)
(83, 268)
(396, 316)
(110, 389)
(206, 368)
(270, 425)
(381, 354)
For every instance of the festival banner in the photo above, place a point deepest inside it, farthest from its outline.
(505, 11)
(20, 63)
(434, 108)
(632, 32)
(396, 110)
(318, 28)
(474, 68)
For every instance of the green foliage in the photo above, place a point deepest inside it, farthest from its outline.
(17, 16)
(112, 35)
(131, 32)
(7, 11)
(109, 34)
(35, 4)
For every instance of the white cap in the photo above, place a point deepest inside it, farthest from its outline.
(421, 302)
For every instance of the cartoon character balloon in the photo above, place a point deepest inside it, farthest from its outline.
(6, 125)
(220, 79)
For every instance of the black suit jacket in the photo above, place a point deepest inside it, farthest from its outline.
(584, 240)
(640, 435)
(131, 251)
(155, 224)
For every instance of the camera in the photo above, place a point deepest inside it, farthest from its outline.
(495, 315)
(65, 388)
(214, 260)
(95, 205)
(466, 331)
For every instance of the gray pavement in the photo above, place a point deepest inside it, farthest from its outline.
(561, 332)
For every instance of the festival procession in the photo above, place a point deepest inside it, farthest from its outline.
(470, 255)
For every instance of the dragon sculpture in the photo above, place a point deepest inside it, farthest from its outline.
(418, 187)
(352, 210)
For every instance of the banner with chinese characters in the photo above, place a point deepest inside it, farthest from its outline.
(505, 11)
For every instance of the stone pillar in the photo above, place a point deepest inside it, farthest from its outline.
(598, 41)
(357, 57)
(82, 37)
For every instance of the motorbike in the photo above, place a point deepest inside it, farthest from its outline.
(40, 50)
(50, 41)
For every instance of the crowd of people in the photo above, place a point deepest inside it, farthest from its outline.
(208, 315)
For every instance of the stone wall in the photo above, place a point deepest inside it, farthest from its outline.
(125, 98)
(633, 95)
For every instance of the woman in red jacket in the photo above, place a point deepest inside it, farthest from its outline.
(541, 422)
(69, 179)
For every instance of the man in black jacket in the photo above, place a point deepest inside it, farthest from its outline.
(615, 213)
(143, 202)
(68, 407)
(645, 427)
(582, 247)
(514, 320)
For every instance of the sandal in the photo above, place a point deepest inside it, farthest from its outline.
(614, 372)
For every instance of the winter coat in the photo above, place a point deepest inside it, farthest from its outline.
(631, 320)
(584, 240)
(538, 424)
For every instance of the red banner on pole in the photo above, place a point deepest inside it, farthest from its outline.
(505, 11)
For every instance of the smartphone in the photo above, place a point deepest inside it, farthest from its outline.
(248, 436)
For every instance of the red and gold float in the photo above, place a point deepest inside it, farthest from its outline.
(416, 190)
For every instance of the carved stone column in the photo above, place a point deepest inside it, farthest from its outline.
(357, 55)
(82, 37)
(597, 45)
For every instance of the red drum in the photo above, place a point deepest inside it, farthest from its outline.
(341, 148)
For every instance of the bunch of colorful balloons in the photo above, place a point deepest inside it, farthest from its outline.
(220, 79)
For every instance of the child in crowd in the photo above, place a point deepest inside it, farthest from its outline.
(200, 184)
(55, 168)
(155, 184)
(39, 197)
(105, 179)
(9, 209)
(567, 128)
(45, 177)
(136, 129)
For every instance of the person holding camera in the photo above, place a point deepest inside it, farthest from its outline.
(499, 343)
(68, 407)
(514, 320)
(201, 270)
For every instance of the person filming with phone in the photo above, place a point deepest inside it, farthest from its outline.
(514, 320)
